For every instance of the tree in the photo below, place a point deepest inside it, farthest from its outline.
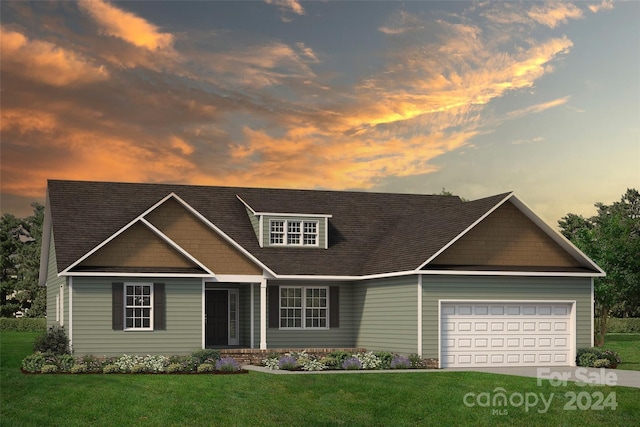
(612, 240)
(20, 242)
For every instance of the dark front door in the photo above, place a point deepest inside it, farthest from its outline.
(217, 318)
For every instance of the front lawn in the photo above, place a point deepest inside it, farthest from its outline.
(628, 347)
(255, 399)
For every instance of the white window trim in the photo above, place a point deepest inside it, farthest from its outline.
(151, 306)
(304, 307)
(285, 239)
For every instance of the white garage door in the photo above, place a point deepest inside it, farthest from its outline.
(476, 334)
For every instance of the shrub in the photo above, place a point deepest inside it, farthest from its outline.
(271, 362)
(613, 357)
(65, 362)
(587, 360)
(206, 367)
(417, 362)
(601, 363)
(288, 363)
(340, 356)
(385, 359)
(175, 368)
(312, 365)
(49, 369)
(111, 369)
(155, 363)
(79, 369)
(92, 363)
(587, 356)
(33, 362)
(138, 368)
(23, 324)
(368, 360)
(352, 363)
(400, 362)
(628, 325)
(54, 341)
(227, 364)
(202, 355)
(331, 362)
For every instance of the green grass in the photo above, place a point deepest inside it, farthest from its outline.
(628, 347)
(256, 399)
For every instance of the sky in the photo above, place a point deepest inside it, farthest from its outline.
(478, 98)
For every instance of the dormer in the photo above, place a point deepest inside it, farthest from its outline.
(289, 229)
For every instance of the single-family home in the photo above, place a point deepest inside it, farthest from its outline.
(168, 269)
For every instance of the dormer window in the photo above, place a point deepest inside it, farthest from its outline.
(293, 232)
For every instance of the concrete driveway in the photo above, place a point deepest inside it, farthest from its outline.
(558, 374)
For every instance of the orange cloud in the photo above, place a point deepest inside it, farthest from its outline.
(45, 62)
(553, 14)
(126, 26)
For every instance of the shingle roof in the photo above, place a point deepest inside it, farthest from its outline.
(369, 233)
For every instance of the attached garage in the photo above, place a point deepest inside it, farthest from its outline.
(507, 333)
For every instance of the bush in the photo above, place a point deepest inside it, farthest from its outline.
(206, 367)
(601, 363)
(49, 369)
(587, 360)
(79, 369)
(92, 363)
(54, 341)
(111, 369)
(227, 364)
(400, 362)
(385, 359)
(33, 362)
(417, 362)
(628, 325)
(271, 362)
(205, 355)
(613, 357)
(339, 356)
(65, 362)
(23, 324)
(288, 363)
(352, 363)
(138, 368)
(175, 368)
(311, 364)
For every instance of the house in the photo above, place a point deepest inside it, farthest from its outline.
(155, 268)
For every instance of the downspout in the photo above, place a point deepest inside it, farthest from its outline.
(71, 314)
(420, 315)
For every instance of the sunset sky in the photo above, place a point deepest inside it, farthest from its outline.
(479, 98)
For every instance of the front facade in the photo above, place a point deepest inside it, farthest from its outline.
(169, 269)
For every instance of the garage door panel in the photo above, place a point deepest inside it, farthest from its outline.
(505, 334)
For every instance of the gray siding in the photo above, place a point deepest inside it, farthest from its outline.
(255, 223)
(503, 288)
(321, 230)
(343, 336)
(386, 312)
(54, 282)
(92, 333)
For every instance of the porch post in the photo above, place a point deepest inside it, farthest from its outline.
(253, 308)
(263, 314)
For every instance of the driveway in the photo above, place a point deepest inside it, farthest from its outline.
(557, 374)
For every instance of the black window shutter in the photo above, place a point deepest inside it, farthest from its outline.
(274, 306)
(334, 306)
(159, 307)
(117, 305)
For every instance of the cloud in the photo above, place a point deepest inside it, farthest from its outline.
(46, 62)
(605, 5)
(554, 14)
(538, 108)
(287, 6)
(126, 26)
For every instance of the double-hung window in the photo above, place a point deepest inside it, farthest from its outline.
(138, 306)
(293, 232)
(304, 307)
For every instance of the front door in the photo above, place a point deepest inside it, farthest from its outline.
(221, 317)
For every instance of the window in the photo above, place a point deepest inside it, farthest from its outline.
(138, 306)
(293, 232)
(276, 236)
(305, 308)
